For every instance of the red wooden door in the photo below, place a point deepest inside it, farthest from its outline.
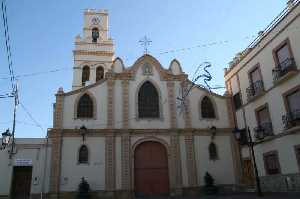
(21, 182)
(151, 170)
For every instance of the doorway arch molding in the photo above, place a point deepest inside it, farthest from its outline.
(171, 168)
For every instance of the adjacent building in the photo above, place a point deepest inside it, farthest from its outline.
(264, 83)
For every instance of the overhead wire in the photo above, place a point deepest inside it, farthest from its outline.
(31, 117)
(7, 44)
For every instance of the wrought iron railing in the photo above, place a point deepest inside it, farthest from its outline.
(268, 29)
(255, 89)
(291, 119)
(283, 68)
(263, 130)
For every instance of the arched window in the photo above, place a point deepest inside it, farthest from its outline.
(148, 101)
(85, 107)
(99, 73)
(85, 74)
(213, 152)
(83, 156)
(95, 34)
(207, 108)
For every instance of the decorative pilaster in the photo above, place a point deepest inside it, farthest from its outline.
(125, 162)
(58, 109)
(190, 160)
(110, 103)
(187, 113)
(125, 93)
(110, 163)
(176, 163)
(172, 105)
(55, 137)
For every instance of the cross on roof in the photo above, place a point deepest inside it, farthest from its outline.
(145, 42)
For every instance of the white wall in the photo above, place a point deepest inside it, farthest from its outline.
(69, 121)
(222, 169)
(100, 93)
(286, 154)
(93, 172)
(263, 54)
(29, 149)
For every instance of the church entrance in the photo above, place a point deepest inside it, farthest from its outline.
(21, 182)
(151, 176)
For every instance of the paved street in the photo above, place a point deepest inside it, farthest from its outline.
(254, 196)
(245, 196)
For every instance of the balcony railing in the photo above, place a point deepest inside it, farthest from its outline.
(255, 89)
(283, 68)
(263, 130)
(291, 119)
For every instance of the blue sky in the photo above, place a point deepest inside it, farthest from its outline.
(42, 39)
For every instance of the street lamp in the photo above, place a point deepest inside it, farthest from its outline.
(6, 136)
(83, 132)
(243, 138)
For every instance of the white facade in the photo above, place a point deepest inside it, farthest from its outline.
(113, 129)
(29, 152)
(284, 141)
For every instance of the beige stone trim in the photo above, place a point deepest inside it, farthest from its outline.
(85, 88)
(143, 132)
(94, 105)
(96, 13)
(165, 75)
(125, 162)
(110, 105)
(190, 160)
(237, 162)
(110, 161)
(58, 111)
(176, 163)
(56, 141)
(168, 150)
(82, 43)
(186, 112)
(215, 106)
(125, 93)
(160, 99)
(230, 111)
(172, 104)
(95, 53)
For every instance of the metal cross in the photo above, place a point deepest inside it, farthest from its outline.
(145, 42)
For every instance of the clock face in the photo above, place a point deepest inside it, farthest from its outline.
(95, 21)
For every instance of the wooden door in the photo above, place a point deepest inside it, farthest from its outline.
(248, 175)
(151, 170)
(21, 183)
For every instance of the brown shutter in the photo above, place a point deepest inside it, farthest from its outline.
(255, 75)
(283, 54)
(294, 101)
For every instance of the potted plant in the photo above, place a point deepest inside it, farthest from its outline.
(210, 188)
(83, 189)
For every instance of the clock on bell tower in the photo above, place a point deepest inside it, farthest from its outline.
(94, 51)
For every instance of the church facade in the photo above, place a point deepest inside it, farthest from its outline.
(127, 130)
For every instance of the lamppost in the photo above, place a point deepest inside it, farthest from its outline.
(83, 132)
(242, 137)
(6, 136)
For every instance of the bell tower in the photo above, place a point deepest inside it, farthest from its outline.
(94, 51)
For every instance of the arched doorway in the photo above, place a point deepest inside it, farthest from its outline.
(151, 176)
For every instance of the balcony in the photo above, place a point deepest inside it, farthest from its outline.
(255, 90)
(291, 119)
(263, 130)
(284, 70)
